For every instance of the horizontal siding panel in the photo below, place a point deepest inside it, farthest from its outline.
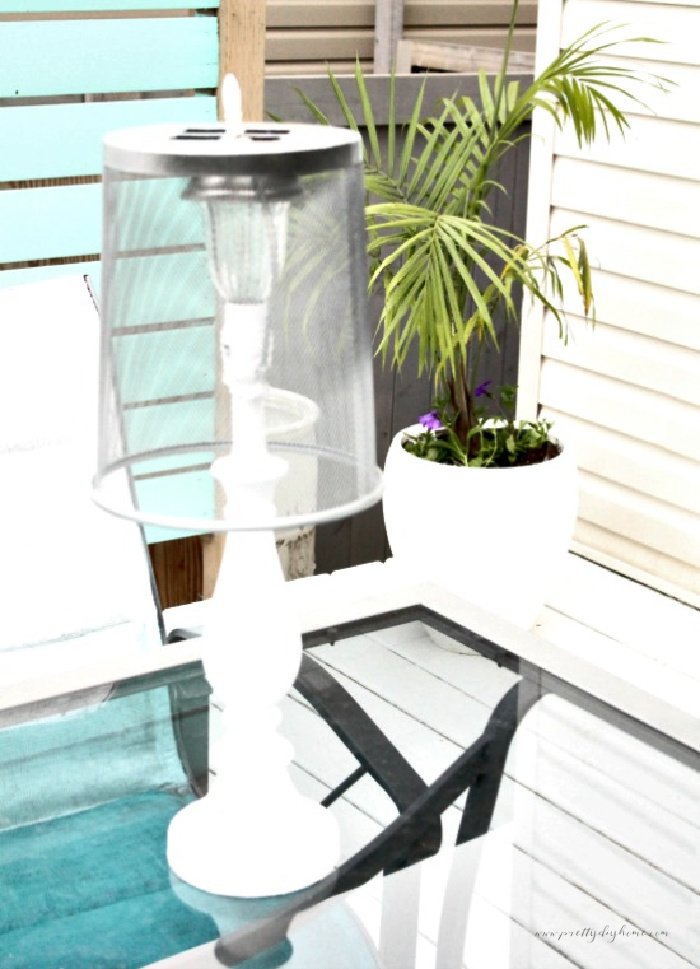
(479, 37)
(643, 562)
(639, 253)
(673, 101)
(628, 391)
(466, 13)
(654, 201)
(637, 413)
(111, 55)
(321, 45)
(631, 463)
(645, 308)
(650, 145)
(306, 14)
(41, 223)
(675, 25)
(306, 69)
(64, 140)
(328, 45)
(295, 14)
(662, 527)
(630, 358)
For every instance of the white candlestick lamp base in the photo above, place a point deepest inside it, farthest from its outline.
(224, 852)
(254, 834)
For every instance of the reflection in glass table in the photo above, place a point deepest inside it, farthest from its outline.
(577, 826)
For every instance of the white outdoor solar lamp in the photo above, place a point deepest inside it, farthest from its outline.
(236, 396)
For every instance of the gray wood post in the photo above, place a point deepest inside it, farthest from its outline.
(388, 28)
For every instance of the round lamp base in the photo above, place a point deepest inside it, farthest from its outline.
(275, 852)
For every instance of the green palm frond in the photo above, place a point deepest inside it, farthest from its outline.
(445, 270)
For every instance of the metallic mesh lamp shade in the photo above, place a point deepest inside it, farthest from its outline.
(234, 309)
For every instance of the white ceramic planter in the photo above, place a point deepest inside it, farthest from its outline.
(495, 536)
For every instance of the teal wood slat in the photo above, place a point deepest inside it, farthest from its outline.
(61, 6)
(64, 140)
(176, 287)
(53, 57)
(66, 220)
(150, 213)
(156, 426)
(45, 223)
(179, 362)
(169, 494)
(36, 274)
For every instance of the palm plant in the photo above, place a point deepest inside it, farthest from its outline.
(445, 269)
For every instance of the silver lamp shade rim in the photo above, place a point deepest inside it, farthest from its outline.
(218, 149)
(110, 493)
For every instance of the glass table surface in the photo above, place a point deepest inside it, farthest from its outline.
(578, 827)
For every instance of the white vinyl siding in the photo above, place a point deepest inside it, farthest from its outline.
(628, 390)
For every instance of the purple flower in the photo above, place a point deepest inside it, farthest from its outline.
(482, 389)
(431, 421)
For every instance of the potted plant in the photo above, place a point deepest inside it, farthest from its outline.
(480, 501)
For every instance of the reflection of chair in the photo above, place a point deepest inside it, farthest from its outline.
(89, 784)
(411, 837)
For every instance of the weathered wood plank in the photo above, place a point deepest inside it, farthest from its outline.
(64, 140)
(36, 274)
(242, 50)
(472, 13)
(345, 44)
(110, 55)
(461, 58)
(388, 28)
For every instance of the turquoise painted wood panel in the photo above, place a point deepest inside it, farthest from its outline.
(66, 220)
(158, 364)
(43, 223)
(36, 274)
(64, 140)
(177, 284)
(169, 494)
(92, 56)
(164, 425)
(151, 213)
(59, 6)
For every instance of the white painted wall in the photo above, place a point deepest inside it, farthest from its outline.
(628, 391)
